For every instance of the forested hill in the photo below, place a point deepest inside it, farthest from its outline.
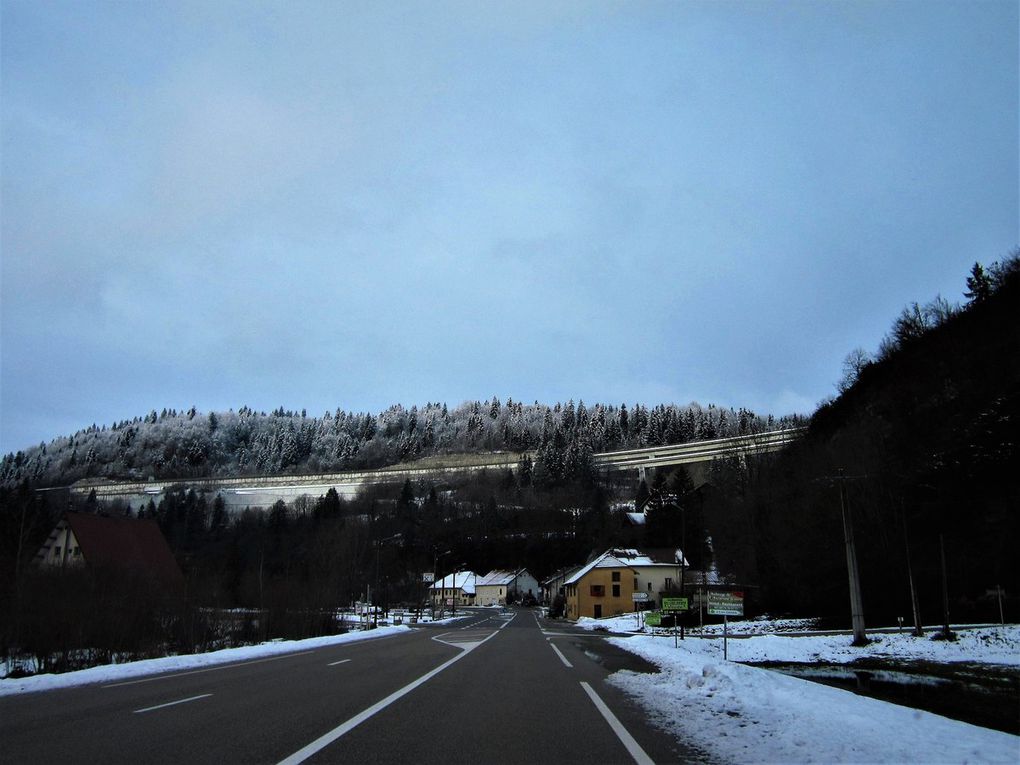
(172, 444)
(927, 434)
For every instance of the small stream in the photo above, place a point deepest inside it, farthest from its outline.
(983, 695)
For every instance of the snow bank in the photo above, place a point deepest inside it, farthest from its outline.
(746, 714)
(759, 641)
(115, 672)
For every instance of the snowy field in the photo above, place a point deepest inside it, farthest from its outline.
(114, 672)
(761, 641)
(741, 714)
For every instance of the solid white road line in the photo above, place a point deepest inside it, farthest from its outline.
(508, 620)
(560, 654)
(334, 663)
(173, 703)
(207, 669)
(632, 746)
(325, 740)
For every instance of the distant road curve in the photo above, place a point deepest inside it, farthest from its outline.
(347, 483)
(699, 451)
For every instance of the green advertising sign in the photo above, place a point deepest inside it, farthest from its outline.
(653, 619)
(674, 604)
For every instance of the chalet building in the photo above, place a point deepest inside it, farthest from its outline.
(134, 546)
(494, 588)
(605, 586)
(460, 586)
(554, 584)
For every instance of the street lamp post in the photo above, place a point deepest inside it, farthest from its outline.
(683, 561)
(375, 586)
(436, 555)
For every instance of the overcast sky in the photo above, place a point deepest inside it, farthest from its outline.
(358, 204)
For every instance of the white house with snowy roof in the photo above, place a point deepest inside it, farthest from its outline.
(606, 584)
(494, 588)
(460, 585)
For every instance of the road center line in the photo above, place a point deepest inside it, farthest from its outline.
(560, 654)
(172, 703)
(632, 746)
(334, 663)
(328, 738)
(206, 669)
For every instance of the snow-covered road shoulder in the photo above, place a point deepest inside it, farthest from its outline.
(737, 713)
(114, 672)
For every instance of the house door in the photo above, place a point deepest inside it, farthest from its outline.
(598, 610)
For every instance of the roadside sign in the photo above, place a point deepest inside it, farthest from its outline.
(674, 604)
(640, 597)
(725, 603)
(653, 619)
(428, 577)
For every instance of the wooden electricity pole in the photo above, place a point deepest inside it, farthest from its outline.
(856, 603)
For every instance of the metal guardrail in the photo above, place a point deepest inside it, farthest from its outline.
(677, 454)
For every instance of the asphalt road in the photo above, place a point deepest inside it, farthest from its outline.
(486, 689)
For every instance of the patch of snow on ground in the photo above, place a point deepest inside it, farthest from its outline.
(747, 714)
(981, 645)
(116, 672)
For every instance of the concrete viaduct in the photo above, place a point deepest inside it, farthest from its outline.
(264, 490)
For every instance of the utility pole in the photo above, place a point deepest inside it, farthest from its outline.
(856, 603)
(947, 634)
(437, 583)
(914, 604)
(683, 561)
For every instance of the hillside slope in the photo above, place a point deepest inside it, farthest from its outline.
(927, 439)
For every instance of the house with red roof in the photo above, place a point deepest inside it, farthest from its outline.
(132, 545)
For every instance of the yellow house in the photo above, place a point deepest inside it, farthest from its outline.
(604, 588)
(606, 585)
(457, 588)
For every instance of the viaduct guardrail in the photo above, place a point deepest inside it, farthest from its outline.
(347, 482)
(698, 451)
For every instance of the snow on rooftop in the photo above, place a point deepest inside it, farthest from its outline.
(497, 578)
(629, 557)
(459, 580)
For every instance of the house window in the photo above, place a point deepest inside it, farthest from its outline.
(635, 583)
(616, 590)
(598, 590)
(669, 584)
(616, 576)
(56, 550)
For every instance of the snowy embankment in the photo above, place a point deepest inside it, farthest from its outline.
(114, 672)
(736, 713)
(754, 642)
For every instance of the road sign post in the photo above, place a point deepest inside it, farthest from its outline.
(725, 604)
(639, 598)
(674, 606)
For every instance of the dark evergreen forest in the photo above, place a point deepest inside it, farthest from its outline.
(172, 444)
(926, 435)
